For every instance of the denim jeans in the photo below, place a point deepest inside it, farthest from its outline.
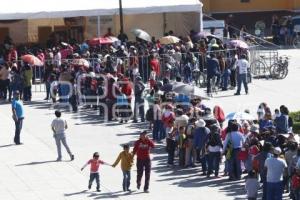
(242, 78)
(204, 163)
(19, 125)
(94, 176)
(159, 131)
(64, 93)
(235, 170)
(126, 180)
(214, 159)
(60, 138)
(274, 191)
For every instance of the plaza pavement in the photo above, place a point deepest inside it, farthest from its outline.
(29, 171)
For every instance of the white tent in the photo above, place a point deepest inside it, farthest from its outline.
(37, 9)
(154, 16)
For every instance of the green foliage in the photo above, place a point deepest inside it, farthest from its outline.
(296, 118)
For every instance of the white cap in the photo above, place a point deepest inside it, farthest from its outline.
(277, 151)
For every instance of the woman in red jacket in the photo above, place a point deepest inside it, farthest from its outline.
(142, 149)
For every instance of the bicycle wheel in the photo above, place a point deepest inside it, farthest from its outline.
(296, 43)
(274, 71)
(285, 72)
(279, 71)
(258, 68)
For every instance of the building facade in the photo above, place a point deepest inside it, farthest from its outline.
(249, 12)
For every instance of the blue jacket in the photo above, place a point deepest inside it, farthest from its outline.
(213, 67)
(200, 137)
(282, 124)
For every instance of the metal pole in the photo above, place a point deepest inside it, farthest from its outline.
(121, 17)
(98, 26)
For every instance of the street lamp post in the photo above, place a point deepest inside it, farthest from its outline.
(121, 17)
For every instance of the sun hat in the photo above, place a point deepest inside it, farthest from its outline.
(200, 123)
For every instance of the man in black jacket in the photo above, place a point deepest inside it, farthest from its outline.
(213, 69)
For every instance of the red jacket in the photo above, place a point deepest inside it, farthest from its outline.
(142, 149)
(154, 64)
(127, 90)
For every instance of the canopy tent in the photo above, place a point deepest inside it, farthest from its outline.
(36, 9)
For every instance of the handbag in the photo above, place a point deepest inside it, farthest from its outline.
(229, 149)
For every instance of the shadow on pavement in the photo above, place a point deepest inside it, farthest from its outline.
(36, 163)
(76, 193)
(116, 195)
(7, 145)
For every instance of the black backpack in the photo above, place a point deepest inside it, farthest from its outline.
(213, 139)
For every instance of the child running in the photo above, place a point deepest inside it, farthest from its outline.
(126, 159)
(95, 164)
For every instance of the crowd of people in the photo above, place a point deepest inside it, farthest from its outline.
(264, 147)
(283, 31)
(77, 66)
(114, 81)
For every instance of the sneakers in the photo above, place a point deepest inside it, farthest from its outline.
(98, 190)
(236, 94)
(72, 157)
(146, 190)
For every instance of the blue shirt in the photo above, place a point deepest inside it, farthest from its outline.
(200, 137)
(236, 138)
(18, 106)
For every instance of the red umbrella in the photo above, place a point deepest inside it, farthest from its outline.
(100, 40)
(32, 60)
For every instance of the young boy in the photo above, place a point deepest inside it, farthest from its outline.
(126, 159)
(95, 164)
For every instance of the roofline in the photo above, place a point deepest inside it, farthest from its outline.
(230, 12)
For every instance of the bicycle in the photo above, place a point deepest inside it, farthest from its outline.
(296, 41)
(260, 67)
(279, 70)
